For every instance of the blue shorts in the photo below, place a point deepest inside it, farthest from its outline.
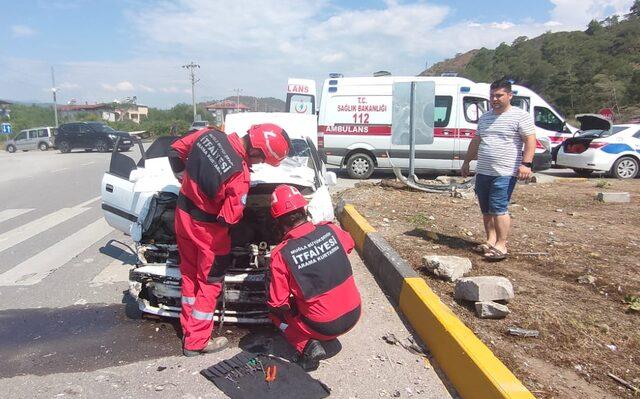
(494, 193)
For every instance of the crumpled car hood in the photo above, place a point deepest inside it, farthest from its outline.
(291, 171)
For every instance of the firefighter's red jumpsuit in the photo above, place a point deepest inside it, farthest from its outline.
(212, 196)
(312, 265)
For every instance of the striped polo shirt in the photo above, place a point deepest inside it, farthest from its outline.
(500, 150)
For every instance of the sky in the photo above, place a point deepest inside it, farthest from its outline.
(105, 50)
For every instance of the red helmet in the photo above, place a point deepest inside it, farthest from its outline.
(286, 199)
(272, 140)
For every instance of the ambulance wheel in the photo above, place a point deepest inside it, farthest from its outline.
(360, 166)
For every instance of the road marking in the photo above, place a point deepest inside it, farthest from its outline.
(115, 272)
(88, 163)
(88, 202)
(60, 170)
(12, 213)
(24, 232)
(39, 266)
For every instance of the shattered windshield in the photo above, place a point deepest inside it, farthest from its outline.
(299, 155)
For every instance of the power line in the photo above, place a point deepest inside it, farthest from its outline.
(191, 67)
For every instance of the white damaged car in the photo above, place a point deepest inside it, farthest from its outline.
(601, 147)
(138, 198)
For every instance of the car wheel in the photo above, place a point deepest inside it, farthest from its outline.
(101, 146)
(64, 147)
(11, 148)
(583, 172)
(360, 166)
(625, 168)
(43, 146)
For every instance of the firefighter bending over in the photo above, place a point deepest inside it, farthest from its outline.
(213, 194)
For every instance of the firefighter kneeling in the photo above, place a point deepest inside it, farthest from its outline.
(312, 266)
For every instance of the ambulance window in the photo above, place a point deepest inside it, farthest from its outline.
(300, 103)
(521, 102)
(442, 111)
(474, 107)
(547, 120)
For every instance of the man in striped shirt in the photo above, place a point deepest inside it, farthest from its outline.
(502, 131)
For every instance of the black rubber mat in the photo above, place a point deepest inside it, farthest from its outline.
(242, 377)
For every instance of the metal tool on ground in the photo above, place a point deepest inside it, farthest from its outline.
(271, 374)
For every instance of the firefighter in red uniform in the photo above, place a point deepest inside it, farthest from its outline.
(312, 266)
(213, 194)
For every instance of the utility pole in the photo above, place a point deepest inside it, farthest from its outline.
(191, 67)
(237, 91)
(55, 102)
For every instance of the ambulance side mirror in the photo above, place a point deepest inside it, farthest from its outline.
(331, 178)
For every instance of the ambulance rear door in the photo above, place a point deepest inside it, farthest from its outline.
(473, 103)
(301, 96)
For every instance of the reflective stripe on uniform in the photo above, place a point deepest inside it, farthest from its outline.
(196, 314)
(189, 300)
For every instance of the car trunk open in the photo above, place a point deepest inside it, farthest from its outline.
(592, 127)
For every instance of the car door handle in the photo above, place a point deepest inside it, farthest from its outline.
(109, 188)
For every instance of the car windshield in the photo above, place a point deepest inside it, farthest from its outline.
(102, 128)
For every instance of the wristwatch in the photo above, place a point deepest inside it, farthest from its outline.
(527, 164)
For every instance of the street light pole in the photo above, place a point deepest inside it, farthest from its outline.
(191, 67)
(238, 91)
(55, 102)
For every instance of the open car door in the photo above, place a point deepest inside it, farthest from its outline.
(118, 188)
(128, 187)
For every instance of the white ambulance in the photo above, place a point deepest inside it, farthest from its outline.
(549, 122)
(355, 117)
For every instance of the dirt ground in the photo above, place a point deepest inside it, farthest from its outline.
(572, 262)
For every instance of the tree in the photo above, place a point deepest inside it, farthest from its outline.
(634, 11)
(594, 27)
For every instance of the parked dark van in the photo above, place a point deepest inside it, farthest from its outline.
(90, 136)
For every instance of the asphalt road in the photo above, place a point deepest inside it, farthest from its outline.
(63, 332)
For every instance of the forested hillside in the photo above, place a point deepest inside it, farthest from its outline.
(575, 71)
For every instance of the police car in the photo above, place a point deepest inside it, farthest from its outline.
(601, 147)
(139, 197)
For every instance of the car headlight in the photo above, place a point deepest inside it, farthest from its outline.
(113, 136)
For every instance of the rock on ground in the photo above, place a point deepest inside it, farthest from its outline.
(613, 197)
(449, 268)
(491, 310)
(484, 288)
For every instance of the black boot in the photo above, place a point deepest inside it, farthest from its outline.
(311, 355)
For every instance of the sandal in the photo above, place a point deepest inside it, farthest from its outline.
(495, 255)
(482, 248)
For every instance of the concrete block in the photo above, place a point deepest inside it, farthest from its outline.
(614, 197)
(484, 288)
(491, 310)
(450, 268)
